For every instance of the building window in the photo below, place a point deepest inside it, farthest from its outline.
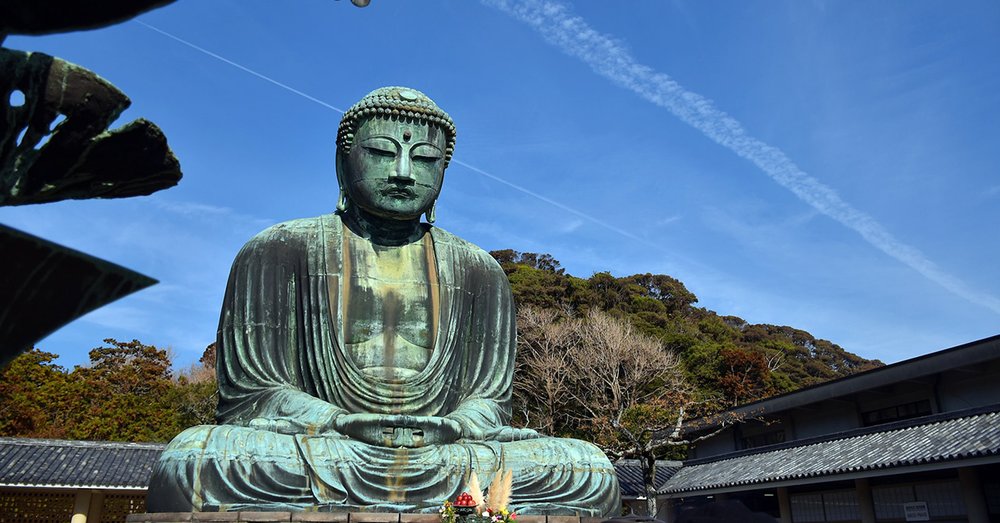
(943, 498)
(834, 505)
(992, 491)
(38, 506)
(889, 501)
(807, 508)
(117, 507)
(842, 505)
(913, 409)
(760, 440)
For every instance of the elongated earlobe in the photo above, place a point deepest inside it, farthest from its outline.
(342, 201)
(432, 213)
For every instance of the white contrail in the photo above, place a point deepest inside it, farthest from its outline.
(238, 66)
(473, 168)
(609, 58)
(554, 203)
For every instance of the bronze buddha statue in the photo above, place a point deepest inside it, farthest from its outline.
(365, 358)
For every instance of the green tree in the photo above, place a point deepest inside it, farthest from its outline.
(125, 394)
(35, 397)
(538, 280)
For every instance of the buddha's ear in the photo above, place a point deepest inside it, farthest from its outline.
(340, 164)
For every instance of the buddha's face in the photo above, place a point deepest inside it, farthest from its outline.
(395, 168)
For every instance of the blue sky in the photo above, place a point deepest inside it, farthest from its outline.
(830, 166)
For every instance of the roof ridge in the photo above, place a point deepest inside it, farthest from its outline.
(635, 461)
(40, 442)
(852, 433)
(933, 443)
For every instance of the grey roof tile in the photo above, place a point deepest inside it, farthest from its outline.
(924, 440)
(630, 479)
(42, 462)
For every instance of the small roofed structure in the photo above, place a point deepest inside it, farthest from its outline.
(44, 480)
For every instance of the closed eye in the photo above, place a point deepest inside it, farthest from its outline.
(425, 153)
(377, 151)
(380, 146)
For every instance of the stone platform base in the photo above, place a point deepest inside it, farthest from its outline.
(328, 517)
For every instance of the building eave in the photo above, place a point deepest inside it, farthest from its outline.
(929, 443)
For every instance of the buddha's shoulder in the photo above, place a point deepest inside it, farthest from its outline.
(461, 247)
(293, 231)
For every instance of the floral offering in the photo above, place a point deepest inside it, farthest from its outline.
(473, 507)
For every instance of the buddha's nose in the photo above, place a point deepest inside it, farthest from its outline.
(402, 172)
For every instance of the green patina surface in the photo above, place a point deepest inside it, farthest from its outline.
(366, 358)
(82, 159)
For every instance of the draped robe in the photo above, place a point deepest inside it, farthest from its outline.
(284, 375)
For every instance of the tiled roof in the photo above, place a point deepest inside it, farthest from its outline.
(58, 463)
(943, 437)
(629, 474)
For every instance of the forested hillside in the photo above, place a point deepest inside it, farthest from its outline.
(726, 359)
(598, 356)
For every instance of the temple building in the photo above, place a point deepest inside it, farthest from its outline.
(918, 440)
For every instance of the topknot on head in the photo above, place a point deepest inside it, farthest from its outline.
(400, 103)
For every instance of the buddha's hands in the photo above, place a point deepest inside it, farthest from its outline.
(393, 430)
(289, 426)
(501, 433)
(506, 434)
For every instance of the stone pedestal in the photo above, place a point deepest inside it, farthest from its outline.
(328, 517)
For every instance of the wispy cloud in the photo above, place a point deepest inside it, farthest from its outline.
(122, 318)
(610, 58)
(667, 220)
(570, 226)
(193, 208)
(202, 211)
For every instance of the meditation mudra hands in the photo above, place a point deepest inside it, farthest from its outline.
(394, 430)
(389, 430)
(397, 430)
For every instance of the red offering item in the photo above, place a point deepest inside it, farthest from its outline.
(464, 500)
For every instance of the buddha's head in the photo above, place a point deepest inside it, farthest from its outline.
(392, 149)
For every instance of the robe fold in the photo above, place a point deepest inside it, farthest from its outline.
(285, 375)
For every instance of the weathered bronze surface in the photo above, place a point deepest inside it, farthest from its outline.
(365, 358)
(51, 16)
(330, 517)
(81, 158)
(45, 285)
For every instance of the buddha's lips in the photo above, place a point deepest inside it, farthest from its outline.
(399, 192)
